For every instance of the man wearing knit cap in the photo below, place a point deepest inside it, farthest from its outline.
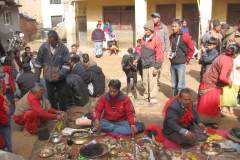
(161, 30)
(152, 58)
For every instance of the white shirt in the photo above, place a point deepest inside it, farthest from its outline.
(52, 49)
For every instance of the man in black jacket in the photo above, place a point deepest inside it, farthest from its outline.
(79, 69)
(181, 123)
(53, 57)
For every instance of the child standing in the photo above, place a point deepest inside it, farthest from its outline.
(209, 53)
(129, 66)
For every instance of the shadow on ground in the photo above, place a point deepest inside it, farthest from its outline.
(194, 74)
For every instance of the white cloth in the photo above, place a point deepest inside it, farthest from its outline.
(235, 75)
(52, 49)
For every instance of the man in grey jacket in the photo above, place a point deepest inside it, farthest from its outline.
(161, 30)
(53, 58)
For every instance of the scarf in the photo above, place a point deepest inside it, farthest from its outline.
(186, 119)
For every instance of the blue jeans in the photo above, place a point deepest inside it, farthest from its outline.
(6, 130)
(178, 77)
(98, 48)
(121, 127)
(7, 136)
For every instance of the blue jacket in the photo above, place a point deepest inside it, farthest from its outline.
(52, 63)
(207, 58)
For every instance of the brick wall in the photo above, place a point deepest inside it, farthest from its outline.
(29, 27)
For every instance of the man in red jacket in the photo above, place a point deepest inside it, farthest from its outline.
(32, 110)
(114, 112)
(152, 56)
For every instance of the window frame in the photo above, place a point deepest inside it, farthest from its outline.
(55, 2)
(7, 18)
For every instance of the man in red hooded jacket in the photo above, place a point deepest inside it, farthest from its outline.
(114, 112)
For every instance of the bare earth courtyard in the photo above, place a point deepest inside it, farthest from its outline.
(111, 66)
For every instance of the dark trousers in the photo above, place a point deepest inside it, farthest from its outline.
(183, 141)
(132, 75)
(57, 94)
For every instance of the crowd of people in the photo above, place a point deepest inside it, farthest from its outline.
(70, 78)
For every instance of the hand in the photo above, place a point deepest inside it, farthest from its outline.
(134, 130)
(59, 117)
(189, 135)
(203, 49)
(202, 126)
(155, 72)
(97, 124)
(56, 76)
(230, 83)
(5, 106)
(135, 62)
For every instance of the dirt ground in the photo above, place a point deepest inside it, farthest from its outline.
(111, 66)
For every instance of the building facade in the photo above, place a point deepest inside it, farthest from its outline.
(47, 13)
(9, 19)
(52, 12)
(129, 16)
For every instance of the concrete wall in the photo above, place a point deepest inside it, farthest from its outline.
(220, 9)
(6, 28)
(49, 10)
(32, 9)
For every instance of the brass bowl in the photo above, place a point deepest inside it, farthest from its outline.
(79, 137)
(55, 138)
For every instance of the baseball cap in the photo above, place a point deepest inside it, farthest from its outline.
(155, 15)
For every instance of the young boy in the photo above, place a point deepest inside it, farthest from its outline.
(129, 66)
(208, 54)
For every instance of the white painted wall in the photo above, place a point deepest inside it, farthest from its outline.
(140, 17)
(49, 10)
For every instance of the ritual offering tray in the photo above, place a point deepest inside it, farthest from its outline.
(79, 137)
(58, 151)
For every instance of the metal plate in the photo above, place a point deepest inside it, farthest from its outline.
(105, 151)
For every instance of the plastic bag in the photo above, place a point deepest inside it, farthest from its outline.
(229, 96)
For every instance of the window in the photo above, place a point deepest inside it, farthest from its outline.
(55, 1)
(7, 17)
(55, 20)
